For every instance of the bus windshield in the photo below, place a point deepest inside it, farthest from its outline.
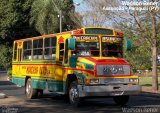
(87, 49)
(111, 49)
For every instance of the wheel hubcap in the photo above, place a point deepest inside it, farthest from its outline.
(28, 89)
(73, 94)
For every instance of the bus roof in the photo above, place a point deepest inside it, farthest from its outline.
(67, 32)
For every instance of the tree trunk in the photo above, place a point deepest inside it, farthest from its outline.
(154, 53)
(154, 69)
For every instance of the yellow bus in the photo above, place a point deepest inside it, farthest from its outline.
(80, 63)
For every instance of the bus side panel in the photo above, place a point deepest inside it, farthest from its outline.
(16, 77)
(54, 85)
(38, 83)
(56, 82)
(18, 81)
(39, 73)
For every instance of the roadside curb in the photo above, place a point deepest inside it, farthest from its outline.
(2, 95)
(150, 94)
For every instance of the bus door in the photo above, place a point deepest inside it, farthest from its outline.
(66, 53)
(59, 71)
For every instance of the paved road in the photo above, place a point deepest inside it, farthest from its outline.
(16, 103)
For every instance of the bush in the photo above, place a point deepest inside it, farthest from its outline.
(5, 57)
(9, 73)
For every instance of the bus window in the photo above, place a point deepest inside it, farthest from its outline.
(66, 52)
(27, 50)
(19, 54)
(50, 48)
(86, 49)
(111, 50)
(61, 51)
(15, 52)
(38, 49)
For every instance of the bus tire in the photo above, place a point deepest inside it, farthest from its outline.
(74, 98)
(121, 100)
(30, 92)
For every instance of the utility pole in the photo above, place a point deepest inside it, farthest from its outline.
(61, 16)
(60, 21)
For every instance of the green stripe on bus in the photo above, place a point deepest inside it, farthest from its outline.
(53, 85)
(18, 81)
(38, 84)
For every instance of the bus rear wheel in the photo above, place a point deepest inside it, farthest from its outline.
(30, 92)
(121, 100)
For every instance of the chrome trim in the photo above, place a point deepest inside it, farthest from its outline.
(108, 90)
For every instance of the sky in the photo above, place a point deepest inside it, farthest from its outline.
(81, 7)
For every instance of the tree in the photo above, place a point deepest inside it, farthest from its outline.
(14, 24)
(72, 19)
(44, 15)
(14, 21)
(136, 55)
(95, 15)
(143, 24)
(5, 60)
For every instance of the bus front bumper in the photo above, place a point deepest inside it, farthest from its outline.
(108, 90)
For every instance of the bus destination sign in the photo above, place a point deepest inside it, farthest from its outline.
(111, 39)
(86, 38)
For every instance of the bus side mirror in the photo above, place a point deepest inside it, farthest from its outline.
(128, 44)
(71, 43)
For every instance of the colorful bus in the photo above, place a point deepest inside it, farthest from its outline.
(86, 62)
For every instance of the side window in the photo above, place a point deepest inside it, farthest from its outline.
(50, 48)
(61, 51)
(38, 49)
(27, 50)
(15, 51)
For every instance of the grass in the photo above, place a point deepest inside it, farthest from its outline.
(147, 81)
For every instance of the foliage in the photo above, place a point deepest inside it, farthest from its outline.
(139, 57)
(27, 18)
(95, 15)
(5, 56)
(44, 15)
(14, 24)
(140, 54)
(9, 73)
(14, 20)
(144, 25)
(72, 19)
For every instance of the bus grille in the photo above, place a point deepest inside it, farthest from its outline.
(113, 70)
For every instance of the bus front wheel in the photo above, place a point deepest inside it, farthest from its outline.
(30, 92)
(121, 100)
(74, 95)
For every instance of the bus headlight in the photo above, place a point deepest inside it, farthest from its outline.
(94, 81)
(133, 80)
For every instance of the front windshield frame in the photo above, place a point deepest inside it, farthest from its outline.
(114, 42)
